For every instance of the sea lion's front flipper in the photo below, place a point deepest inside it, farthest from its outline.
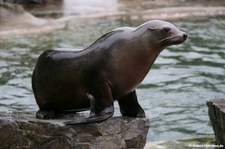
(129, 105)
(101, 102)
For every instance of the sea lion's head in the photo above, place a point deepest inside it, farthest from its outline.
(161, 34)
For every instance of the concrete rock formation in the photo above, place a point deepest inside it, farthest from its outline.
(23, 130)
(14, 14)
(217, 118)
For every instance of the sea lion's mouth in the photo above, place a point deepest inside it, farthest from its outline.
(172, 40)
(178, 39)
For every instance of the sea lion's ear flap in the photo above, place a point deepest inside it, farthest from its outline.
(150, 28)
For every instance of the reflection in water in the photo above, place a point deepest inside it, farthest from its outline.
(173, 94)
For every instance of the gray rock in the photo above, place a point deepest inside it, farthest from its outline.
(23, 130)
(217, 118)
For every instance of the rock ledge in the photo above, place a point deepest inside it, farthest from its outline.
(23, 130)
(217, 118)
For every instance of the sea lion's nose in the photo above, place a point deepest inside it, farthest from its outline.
(185, 36)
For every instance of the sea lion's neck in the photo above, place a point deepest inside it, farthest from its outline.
(133, 62)
(143, 49)
(144, 55)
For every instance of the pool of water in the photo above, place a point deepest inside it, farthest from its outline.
(173, 94)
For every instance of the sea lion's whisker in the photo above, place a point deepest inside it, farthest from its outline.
(164, 41)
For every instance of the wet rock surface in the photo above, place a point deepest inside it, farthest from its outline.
(23, 130)
(217, 117)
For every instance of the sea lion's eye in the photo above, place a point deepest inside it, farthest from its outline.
(166, 29)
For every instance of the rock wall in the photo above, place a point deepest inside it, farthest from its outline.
(217, 118)
(23, 130)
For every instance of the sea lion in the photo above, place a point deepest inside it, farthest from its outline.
(109, 69)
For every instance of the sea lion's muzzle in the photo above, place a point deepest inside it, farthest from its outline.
(185, 36)
(181, 37)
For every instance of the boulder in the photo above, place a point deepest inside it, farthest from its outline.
(23, 130)
(217, 118)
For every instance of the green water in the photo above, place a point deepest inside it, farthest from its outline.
(173, 94)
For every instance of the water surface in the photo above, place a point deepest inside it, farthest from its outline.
(173, 94)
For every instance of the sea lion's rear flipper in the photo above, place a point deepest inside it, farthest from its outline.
(105, 114)
(101, 102)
